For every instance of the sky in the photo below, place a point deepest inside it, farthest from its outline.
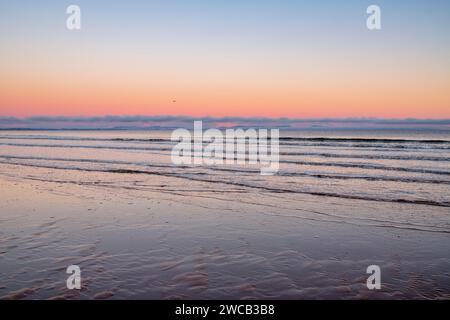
(247, 58)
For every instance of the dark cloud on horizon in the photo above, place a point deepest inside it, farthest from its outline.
(161, 122)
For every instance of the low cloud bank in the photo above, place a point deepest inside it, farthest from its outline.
(171, 122)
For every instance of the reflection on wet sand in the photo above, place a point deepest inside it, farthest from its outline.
(134, 243)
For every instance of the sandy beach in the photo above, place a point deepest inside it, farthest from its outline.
(157, 236)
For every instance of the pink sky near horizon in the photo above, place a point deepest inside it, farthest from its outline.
(92, 94)
(91, 86)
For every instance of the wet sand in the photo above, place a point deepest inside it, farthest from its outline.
(152, 238)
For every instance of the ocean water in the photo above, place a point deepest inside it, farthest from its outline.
(406, 166)
(113, 202)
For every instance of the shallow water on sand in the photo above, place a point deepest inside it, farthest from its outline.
(112, 203)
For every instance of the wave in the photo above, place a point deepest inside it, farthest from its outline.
(281, 173)
(370, 146)
(118, 162)
(367, 156)
(285, 173)
(300, 139)
(316, 154)
(85, 147)
(71, 138)
(363, 177)
(196, 177)
(379, 140)
(369, 167)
